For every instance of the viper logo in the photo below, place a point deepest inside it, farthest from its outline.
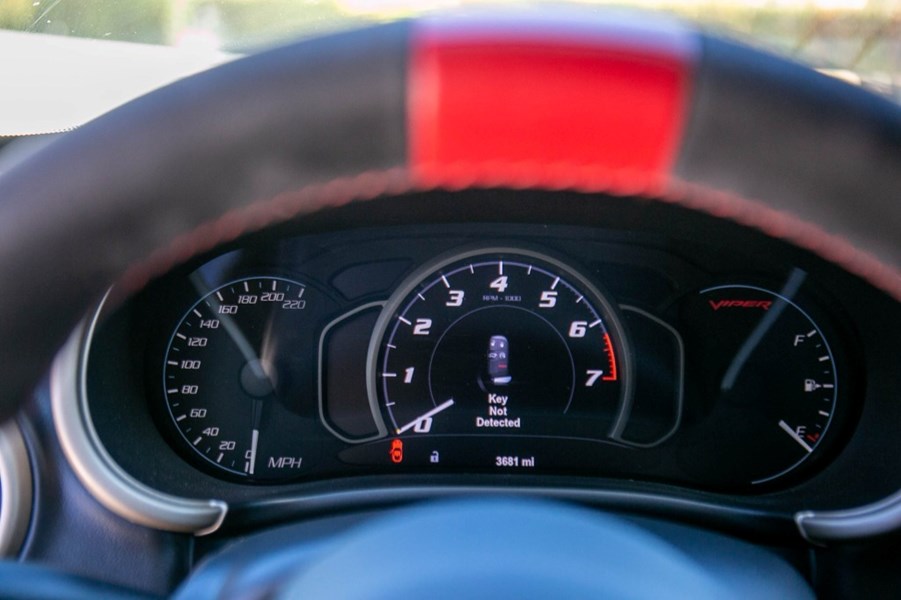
(718, 304)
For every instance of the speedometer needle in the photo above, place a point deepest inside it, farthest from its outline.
(431, 413)
(253, 449)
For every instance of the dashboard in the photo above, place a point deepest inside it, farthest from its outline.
(401, 278)
(499, 338)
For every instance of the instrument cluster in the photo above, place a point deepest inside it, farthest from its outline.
(436, 350)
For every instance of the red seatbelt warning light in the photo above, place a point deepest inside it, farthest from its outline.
(397, 451)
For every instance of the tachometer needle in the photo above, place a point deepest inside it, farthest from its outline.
(253, 449)
(794, 435)
(431, 413)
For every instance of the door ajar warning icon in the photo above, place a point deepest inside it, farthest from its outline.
(498, 360)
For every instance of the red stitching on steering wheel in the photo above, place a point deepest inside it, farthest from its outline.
(580, 178)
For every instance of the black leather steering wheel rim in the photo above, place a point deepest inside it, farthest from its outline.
(274, 136)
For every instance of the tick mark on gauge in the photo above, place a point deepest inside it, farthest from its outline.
(445, 282)
(389, 374)
(172, 391)
(579, 299)
(246, 287)
(500, 267)
(554, 285)
(529, 272)
(174, 363)
(420, 296)
(472, 271)
(219, 460)
(181, 418)
(823, 358)
(219, 295)
(180, 336)
(197, 441)
(824, 413)
(812, 333)
(404, 321)
(392, 346)
(197, 312)
(595, 324)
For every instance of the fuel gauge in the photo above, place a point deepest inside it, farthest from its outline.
(764, 380)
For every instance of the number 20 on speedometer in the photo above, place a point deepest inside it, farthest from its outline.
(499, 342)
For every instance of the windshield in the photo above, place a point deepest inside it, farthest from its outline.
(97, 54)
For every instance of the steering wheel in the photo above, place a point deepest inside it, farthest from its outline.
(621, 105)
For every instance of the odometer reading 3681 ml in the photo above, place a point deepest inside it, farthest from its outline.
(499, 343)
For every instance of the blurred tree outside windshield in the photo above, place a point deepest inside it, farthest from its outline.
(859, 40)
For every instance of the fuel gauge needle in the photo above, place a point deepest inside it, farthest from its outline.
(794, 435)
(431, 413)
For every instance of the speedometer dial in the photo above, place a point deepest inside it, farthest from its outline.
(235, 379)
(499, 342)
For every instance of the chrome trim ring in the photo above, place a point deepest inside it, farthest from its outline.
(852, 524)
(16, 489)
(101, 475)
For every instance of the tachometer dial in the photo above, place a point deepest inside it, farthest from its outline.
(235, 378)
(499, 342)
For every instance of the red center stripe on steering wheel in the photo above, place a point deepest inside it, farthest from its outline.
(545, 105)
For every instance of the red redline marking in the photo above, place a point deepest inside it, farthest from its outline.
(608, 346)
